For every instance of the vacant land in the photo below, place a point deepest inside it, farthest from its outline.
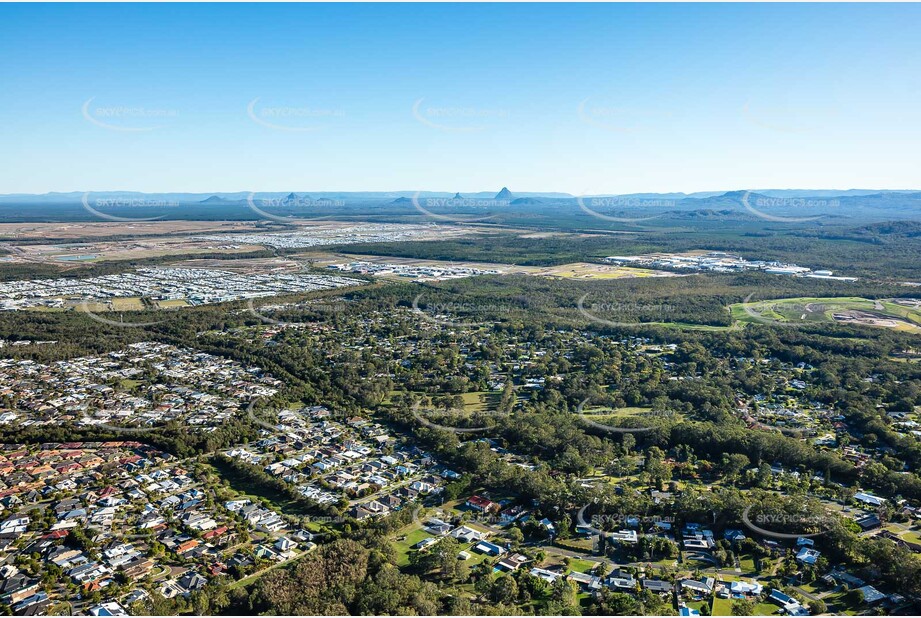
(577, 270)
(81, 231)
(900, 314)
(587, 270)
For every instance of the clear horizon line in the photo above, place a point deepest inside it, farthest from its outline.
(462, 192)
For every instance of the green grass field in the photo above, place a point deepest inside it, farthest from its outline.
(721, 607)
(637, 415)
(766, 609)
(480, 401)
(582, 566)
(476, 401)
(747, 564)
(848, 309)
(403, 547)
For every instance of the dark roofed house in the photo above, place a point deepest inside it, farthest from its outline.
(701, 587)
(360, 513)
(780, 597)
(657, 585)
(391, 502)
(869, 522)
(911, 545)
(17, 587)
(192, 581)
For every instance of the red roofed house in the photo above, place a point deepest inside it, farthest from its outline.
(214, 533)
(482, 505)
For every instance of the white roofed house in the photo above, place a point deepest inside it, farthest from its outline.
(544, 574)
(437, 526)
(467, 534)
(14, 526)
(870, 499)
(589, 582)
(377, 508)
(624, 536)
(807, 555)
(286, 548)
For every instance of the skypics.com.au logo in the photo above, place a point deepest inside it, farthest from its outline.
(292, 203)
(430, 207)
(313, 306)
(586, 409)
(127, 119)
(120, 323)
(596, 311)
(771, 524)
(620, 118)
(760, 206)
(790, 119)
(292, 119)
(443, 312)
(779, 312)
(98, 206)
(457, 119)
(623, 204)
(450, 419)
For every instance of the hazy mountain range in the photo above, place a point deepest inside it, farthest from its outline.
(512, 207)
(241, 196)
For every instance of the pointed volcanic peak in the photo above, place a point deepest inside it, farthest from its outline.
(504, 194)
(458, 196)
(214, 199)
(291, 197)
(402, 200)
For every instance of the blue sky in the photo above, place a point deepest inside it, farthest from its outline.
(536, 97)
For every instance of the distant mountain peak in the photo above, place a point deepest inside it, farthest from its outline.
(291, 197)
(458, 196)
(213, 200)
(504, 194)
